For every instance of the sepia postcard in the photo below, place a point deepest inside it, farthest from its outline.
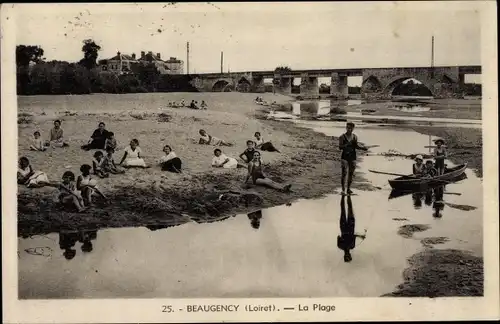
(249, 162)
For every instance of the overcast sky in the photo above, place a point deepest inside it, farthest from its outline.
(257, 36)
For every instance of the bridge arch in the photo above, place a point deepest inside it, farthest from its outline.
(371, 84)
(243, 85)
(396, 82)
(220, 86)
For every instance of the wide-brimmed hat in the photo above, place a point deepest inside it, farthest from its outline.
(439, 140)
(419, 157)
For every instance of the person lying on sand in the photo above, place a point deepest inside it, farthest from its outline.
(247, 155)
(87, 185)
(37, 143)
(28, 177)
(262, 145)
(69, 196)
(170, 162)
(97, 165)
(259, 178)
(56, 136)
(220, 160)
(109, 165)
(132, 156)
(98, 138)
(211, 140)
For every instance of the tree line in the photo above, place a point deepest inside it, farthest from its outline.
(36, 76)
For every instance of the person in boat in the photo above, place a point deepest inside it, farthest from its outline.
(170, 162)
(430, 170)
(348, 144)
(440, 155)
(264, 146)
(255, 218)
(346, 241)
(211, 140)
(418, 168)
(259, 178)
(56, 138)
(98, 138)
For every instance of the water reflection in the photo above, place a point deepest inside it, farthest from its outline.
(322, 107)
(346, 241)
(69, 238)
(255, 218)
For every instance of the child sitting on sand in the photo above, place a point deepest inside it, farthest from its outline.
(97, 165)
(259, 178)
(222, 161)
(204, 105)
(132, 156)
(37, 143)
(87, 185)
(26, 175)
(110, 142)
(69, 196)
(109, 165)
(211, 140)
(170, 162)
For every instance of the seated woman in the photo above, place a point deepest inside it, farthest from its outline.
(211, 140)
(170, 162)
(132, 156)
(430, 170)
(418, 167)
(87, 185)
(28, 177)
(262, 145)
(98, 138)
(56, 136)
(222, 161)
(69, 196)
(204, 105)
(259, 178)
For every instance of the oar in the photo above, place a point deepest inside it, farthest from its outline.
(389, 173)
(371, 146)
(452, 193)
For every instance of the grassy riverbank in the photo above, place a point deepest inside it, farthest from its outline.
(143, 197)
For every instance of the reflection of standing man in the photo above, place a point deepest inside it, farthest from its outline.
(346, 241)
(348, 143)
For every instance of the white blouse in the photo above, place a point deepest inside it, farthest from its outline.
(168, 157)
(133, 154)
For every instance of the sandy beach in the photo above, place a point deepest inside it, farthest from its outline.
(141, 197)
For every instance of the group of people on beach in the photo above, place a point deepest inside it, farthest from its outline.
(192, 105)
(78, 191)
(430, 168)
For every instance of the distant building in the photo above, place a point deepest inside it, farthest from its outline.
(122, 63)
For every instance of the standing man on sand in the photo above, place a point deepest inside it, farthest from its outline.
(348, 143)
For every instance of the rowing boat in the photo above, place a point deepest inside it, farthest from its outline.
(411, 183)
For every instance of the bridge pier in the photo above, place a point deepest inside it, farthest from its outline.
(339, 87)
(309, 85)
(258, 85)
(284, 85)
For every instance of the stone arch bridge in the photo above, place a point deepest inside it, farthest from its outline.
(442, 81)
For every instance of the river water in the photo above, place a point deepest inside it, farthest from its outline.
(285, 251)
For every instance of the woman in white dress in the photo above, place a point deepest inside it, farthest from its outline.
(132, 156)
(28, 177)
(221, 160)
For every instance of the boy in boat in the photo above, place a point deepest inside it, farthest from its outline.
(430, 171)
(418, 166)
(440, 155)
(348, 143)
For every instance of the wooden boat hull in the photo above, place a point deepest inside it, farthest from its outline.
(411, 184)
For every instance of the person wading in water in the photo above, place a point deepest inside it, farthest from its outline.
(348, 143)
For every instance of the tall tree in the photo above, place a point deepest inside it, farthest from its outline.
(28, 53)
(90, 53)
